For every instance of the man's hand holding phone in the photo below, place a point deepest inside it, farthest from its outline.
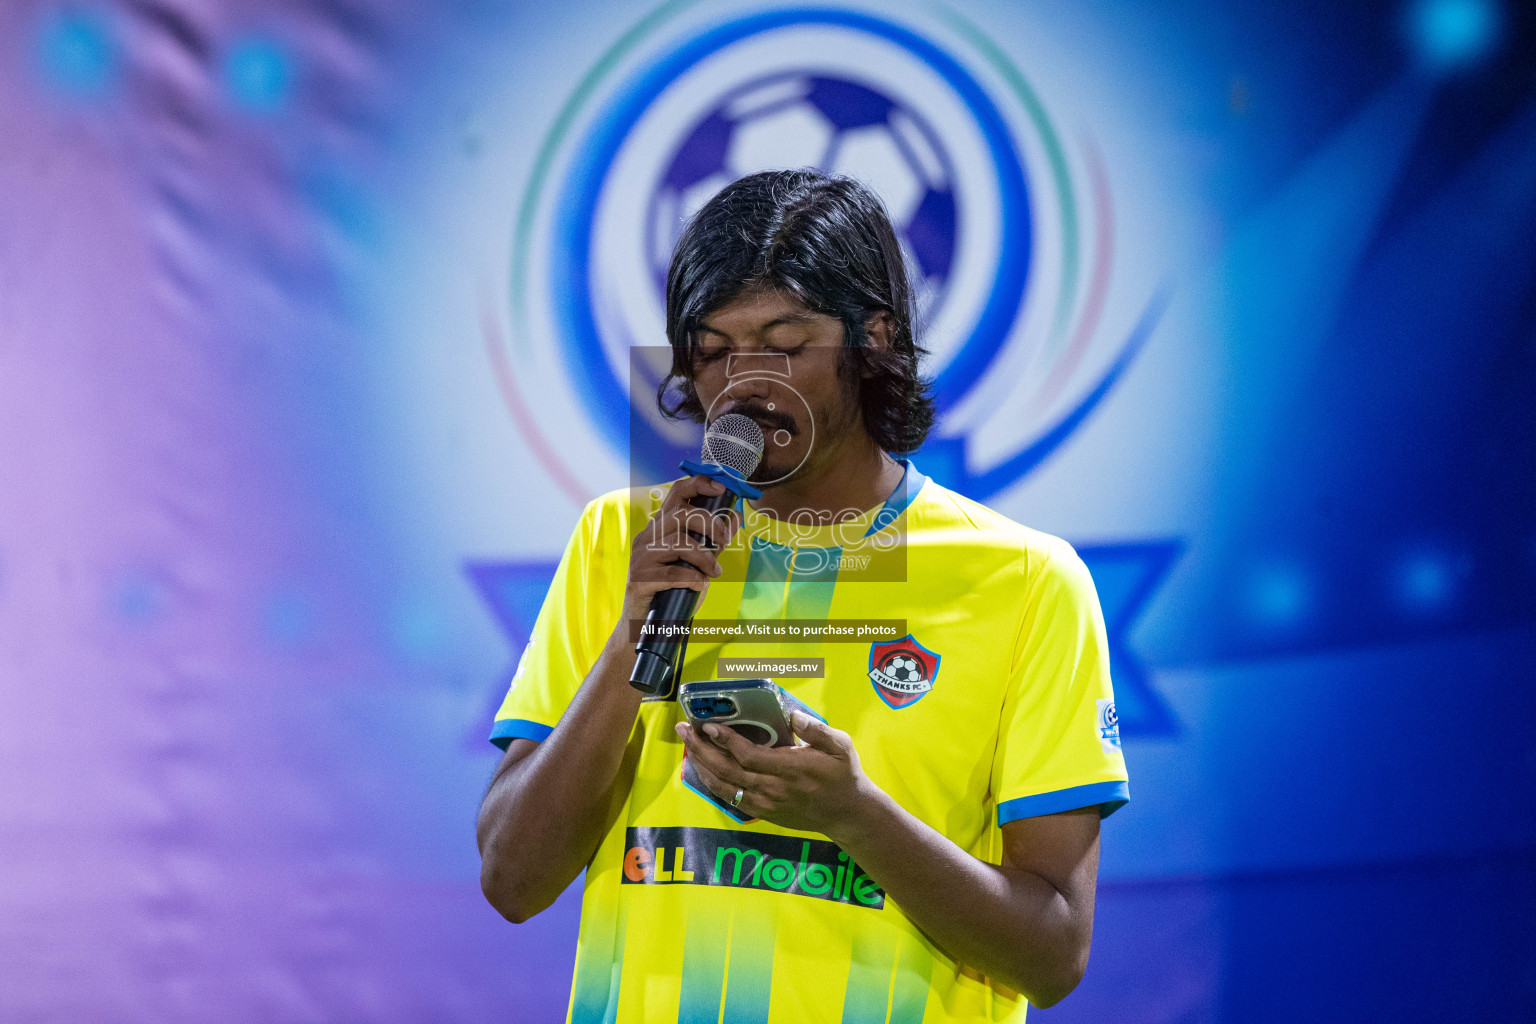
(817, 787)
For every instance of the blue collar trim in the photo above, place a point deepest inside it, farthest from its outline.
(911, 482)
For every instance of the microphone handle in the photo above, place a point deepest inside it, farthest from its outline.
(659, 659)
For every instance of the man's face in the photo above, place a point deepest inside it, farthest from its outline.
(766, 356)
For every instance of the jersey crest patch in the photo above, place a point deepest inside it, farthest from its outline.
(1108, 724)
(902, 670)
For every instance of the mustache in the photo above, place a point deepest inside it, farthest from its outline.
(770, 419)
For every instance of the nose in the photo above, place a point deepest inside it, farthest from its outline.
(753, 387)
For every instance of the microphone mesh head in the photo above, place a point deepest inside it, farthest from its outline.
(734, 441)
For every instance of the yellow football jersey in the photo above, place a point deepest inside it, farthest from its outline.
(994, 705)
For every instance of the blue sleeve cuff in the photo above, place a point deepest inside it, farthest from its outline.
(508, 729)
(1110, 796)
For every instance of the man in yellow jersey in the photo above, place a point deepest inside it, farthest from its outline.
(929, 850)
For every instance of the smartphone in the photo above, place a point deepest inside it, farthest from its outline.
(756, 708)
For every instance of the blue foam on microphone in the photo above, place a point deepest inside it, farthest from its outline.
(725, 474)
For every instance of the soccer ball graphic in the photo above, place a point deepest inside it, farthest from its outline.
(904, 669)
(796, 119)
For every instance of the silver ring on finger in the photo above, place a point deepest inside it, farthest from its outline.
(736, 800)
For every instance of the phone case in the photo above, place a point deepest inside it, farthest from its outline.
(756, 708)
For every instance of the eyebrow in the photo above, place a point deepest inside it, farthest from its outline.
(787, 320)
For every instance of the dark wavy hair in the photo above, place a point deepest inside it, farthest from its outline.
(827, 241)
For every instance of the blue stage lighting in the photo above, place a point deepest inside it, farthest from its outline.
(1451, 34)
(289, 620)
(1426, 580)
(1278, 595)
(140, 598)
(76, 54)
(259, 74)
(418, 627)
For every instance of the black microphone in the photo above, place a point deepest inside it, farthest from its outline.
(733, 446)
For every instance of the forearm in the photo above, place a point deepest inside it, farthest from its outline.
(543, 816)
(1011, 924)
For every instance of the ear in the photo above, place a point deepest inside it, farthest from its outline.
(879, 329)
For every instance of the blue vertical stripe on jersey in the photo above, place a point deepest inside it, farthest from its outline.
(703, 978)
(810, 590)
(909, 989)
(599, 965)
(749, 971)
(763, 593)
(867, 999)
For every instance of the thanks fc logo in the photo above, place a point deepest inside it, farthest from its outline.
(902, 670)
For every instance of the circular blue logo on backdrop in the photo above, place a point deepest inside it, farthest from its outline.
(849, 93)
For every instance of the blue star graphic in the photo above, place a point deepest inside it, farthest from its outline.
(1125, 575)
(514, 591)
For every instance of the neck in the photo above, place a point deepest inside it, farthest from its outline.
(851, 480)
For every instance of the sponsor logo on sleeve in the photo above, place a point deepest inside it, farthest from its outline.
(1108, 725)
(747, 860)
(522, 664)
